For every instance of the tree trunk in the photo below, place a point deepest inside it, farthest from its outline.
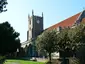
(50, 57)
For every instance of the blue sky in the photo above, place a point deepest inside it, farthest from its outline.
(54, 11)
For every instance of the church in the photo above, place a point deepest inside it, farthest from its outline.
(35, 28)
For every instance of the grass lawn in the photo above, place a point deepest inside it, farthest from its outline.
(22, 62)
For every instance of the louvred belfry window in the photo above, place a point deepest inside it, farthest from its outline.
(29, 28)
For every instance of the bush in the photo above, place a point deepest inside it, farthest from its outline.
(2, 59)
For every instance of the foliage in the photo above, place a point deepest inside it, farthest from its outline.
(3, 4)
(9, 41)
(69, 40)
(80, 54)
(72, 40)
(47, 42)
(64, 43)
(77, 34)
(73, 60)
(1, 57)
(63, 40)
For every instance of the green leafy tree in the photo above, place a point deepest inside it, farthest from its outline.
(71, 40)
(80, 39)
(3, 4)
(9, 39)
(47, 42)
(67, 42)
(64, 43)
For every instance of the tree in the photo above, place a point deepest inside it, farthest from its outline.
(80, 39)
(9, 39)
(64, 43)
(47, 42)
(67, 42)
(3, 4)
(71, 40)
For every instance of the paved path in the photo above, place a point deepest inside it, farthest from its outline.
(42, 59)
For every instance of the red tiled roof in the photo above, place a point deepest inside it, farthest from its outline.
(83, 20)
(65, 23)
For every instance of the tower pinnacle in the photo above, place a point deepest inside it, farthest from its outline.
(42, 14)
(32, 12)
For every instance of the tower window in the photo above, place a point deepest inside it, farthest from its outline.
(30, 21)
(29, 28)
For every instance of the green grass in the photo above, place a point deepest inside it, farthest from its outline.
(22, 62)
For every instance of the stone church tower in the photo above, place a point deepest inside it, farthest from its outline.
(35, 26)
